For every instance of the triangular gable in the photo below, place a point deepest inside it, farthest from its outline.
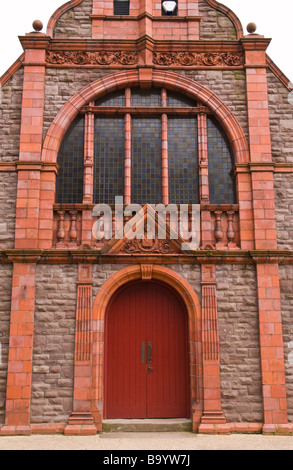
(123, 242)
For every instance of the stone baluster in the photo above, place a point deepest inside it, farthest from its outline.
(61, 230)
(218, 228)
(230, 230)
(73, 229)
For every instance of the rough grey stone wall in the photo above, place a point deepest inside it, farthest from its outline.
(283, 184)
(286, 286)
(102, 272)
(229, 86)
(75, 23)
(8, 193)
(5, 302)
(281, 120)
(53, 354)
(63, 84)
(214, 25)
(10, 116)
(239, 343)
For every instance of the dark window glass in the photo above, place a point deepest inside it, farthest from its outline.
(145, 97)
(115, 99)
(179, 101)
(183, 161)
(146, 179)
(109, 160)
(221, 183)
(69, 184)
(121, 7)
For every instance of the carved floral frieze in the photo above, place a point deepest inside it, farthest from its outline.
(148, 246)
(186, 59)
(208, 59)
(92, 58)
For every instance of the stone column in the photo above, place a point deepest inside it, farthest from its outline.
(261, 168)
(165, 164)
(19, 375)
(88, 191)
(29, 175)
(212, 407)
(81, 421)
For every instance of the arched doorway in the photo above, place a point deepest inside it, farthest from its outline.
(146, 353)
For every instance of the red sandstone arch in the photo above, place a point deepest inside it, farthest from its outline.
(169, 80)
(125, 276)
(58, 13)
(230, 14)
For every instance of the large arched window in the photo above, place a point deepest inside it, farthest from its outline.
(149, 146)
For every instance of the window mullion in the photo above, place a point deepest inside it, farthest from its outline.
(88, 157)
(127, 157)
(203, 159)
(165, 166)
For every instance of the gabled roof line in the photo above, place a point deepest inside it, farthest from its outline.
(230, 14)
(279, 74)
(11, 71)
(59, 12)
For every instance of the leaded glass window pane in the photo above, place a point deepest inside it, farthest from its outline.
(183, 161)
(145, 97)
(175, 100)
(221, 183)
(146, 179)
(109, 159)
(69, 184)
(115, 99)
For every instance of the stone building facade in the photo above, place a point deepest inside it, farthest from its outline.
(120, 98)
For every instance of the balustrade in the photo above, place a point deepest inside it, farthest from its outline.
(73, 226)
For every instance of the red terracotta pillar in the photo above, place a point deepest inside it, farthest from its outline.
(31, 134)
(212, 407)
(165, 164)
(206, 218)
(18, 393)
(19, 376)
(127, 160)
(81, 421)
(262, 181)
(88, 186)
(271, 346)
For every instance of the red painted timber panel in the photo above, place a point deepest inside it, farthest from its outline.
(148, 318)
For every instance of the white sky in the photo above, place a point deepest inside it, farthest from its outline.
(273, 19)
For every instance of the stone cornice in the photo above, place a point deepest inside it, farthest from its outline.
(95, 256)
(145, 14)
(263, 166)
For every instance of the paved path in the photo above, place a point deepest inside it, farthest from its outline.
(148, 441)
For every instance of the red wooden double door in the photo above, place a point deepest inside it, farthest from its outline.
(146, 354)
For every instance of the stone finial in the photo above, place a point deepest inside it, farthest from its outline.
(251, 28)
(37, 25)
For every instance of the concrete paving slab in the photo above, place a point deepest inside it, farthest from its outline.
(147, 441)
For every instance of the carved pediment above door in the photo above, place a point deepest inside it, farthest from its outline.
(143, 234)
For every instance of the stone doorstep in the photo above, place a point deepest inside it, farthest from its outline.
(147, 425)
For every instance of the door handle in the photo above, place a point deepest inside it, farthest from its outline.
(142, 352)
(150, 369)
(150, 353)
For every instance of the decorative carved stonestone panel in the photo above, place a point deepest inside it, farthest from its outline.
(146, 271)
(209, 59)
(92, 58)
(137, 246)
